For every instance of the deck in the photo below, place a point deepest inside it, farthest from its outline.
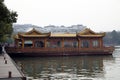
(8, 69)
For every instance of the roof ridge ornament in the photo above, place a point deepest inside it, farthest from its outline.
(33, 29)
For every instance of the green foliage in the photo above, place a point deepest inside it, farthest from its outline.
(7, 17)
(112, 38)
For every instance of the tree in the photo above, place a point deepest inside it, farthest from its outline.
(7, 18)
(115, 37)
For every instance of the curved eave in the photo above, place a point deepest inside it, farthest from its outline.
(91, 35)
(16, 37)
(34, 35)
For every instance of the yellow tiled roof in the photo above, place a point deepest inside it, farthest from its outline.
(85, 33)
(62, 35)
(33, 33)
(89, 33)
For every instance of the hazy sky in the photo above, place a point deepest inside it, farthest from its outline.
(99, 15)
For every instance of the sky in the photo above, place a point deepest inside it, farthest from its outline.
(98, 15)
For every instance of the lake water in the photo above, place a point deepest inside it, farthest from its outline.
(72, 68)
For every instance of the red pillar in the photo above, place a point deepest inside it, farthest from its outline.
(45, 42)
(22, 43)
(62, 43)
(101, 42)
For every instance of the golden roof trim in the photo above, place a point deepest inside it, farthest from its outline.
(85, 33)
(90, 35)
(89, 32)
(63, 35)
(34, 35)
(33, 31)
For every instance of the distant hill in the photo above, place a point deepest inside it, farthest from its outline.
(50, 28)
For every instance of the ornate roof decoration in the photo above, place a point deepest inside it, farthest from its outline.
(16, 36)
(33, 33)
(89, 33)
(85, 33)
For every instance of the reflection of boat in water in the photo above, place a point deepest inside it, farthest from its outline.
(35, 43)
(64, 67)
(63, 75)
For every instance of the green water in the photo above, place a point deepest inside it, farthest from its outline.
(72, 68)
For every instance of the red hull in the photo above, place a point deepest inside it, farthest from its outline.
(59, 51)
(57, 54)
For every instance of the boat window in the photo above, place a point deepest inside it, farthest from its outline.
(54, 44)
(28, 43)
(39, 44)
(85, 44)
(48, 44)
(95, 43)
(19, 44)
(67, 44)
(71, 44)
(75, 44)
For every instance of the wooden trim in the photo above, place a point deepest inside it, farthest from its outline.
(45, 42)
(22, 43)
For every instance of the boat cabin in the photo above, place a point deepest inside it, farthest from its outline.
(83, 42)
(35, 39)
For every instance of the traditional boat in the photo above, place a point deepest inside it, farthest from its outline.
(35, 43)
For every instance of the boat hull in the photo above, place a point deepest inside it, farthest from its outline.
(57, 54)
(58, 51)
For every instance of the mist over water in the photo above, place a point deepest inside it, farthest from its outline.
(72, 68)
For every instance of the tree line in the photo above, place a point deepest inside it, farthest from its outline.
(112, 38)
